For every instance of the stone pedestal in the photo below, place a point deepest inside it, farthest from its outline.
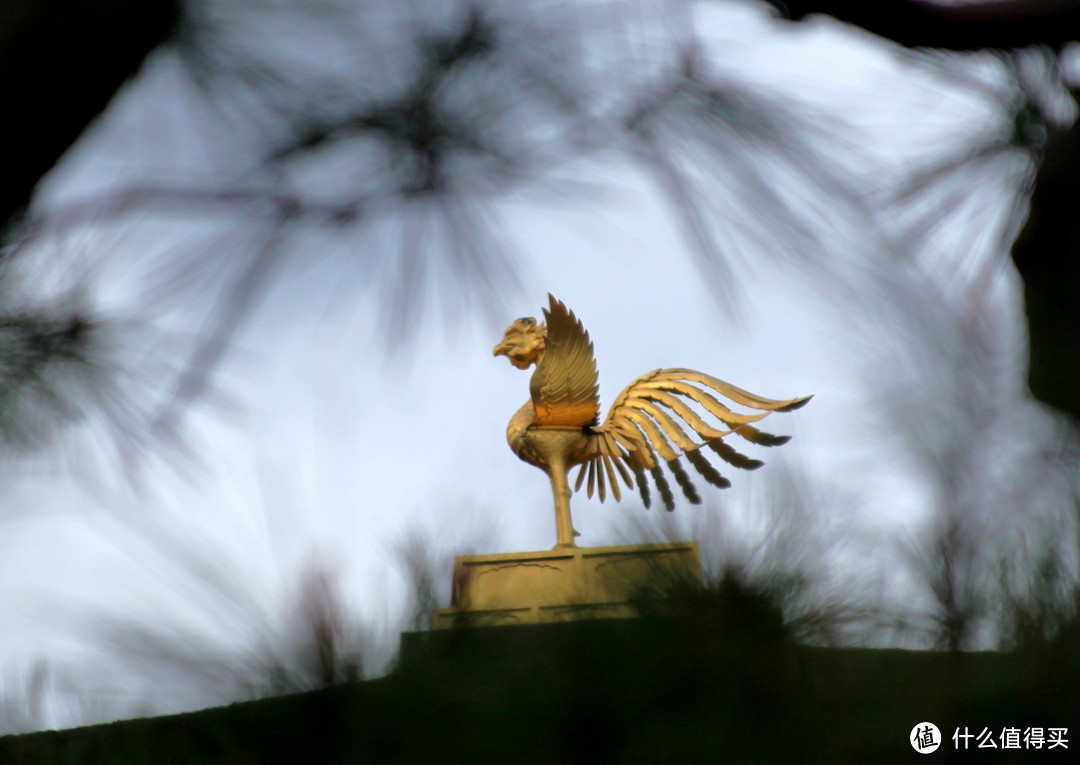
(563, 585)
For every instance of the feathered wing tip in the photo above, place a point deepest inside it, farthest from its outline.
(797, 403)
(663, 487)
(684, 482)
(647, 427)
(760, 437)
(642, 483)
(711, 474)
(729, 455)
(733, 392)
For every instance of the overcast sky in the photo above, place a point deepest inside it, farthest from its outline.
(318, 446)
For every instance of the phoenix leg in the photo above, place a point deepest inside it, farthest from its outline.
(560, 486)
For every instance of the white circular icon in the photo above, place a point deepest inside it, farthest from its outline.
(925, 738)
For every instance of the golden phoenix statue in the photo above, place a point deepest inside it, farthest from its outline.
(559, 426)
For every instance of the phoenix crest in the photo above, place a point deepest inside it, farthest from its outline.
(559, 426)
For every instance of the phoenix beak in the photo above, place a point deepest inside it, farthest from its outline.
(502, 349)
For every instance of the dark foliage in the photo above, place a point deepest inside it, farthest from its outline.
(951, 26)
(653, 690)
(61, 63)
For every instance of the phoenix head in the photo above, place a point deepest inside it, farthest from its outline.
(523, 342)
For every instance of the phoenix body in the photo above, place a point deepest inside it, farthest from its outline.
(559, 426)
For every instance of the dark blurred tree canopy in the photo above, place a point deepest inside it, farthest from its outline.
(1047, 253)
(62, 61)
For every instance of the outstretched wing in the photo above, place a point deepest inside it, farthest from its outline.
(564, 386)
(647, 424)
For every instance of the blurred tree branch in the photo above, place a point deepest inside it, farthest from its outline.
(1047, 252)
(61, 62)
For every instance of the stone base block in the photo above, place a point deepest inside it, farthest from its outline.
(563, 585)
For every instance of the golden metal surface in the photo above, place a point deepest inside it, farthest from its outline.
(566, 584)
(559, 427)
